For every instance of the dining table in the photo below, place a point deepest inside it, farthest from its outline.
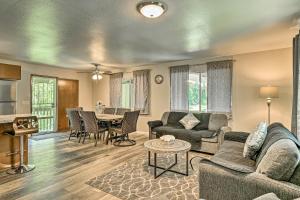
(108, 117)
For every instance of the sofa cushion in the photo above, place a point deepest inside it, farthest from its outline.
(165, 117)
(230, 155)
(275, 132)
(236, 136)
(197, 135)
(217, 121)
(189, 121)
(280, 161)
(296, 176)
(204, 120)
(174, 117)
(255, 140)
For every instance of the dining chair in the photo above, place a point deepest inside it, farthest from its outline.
(76, 108)
(91, 126)
(110, 111)
(70, 109)
(128, 126)
(122, 111)
(74, 123)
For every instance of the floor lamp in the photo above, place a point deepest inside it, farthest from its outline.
(268, 92)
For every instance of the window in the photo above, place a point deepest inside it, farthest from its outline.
(197, 91)
(127, 94)
(203, 87)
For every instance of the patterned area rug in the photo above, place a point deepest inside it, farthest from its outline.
(134, 180)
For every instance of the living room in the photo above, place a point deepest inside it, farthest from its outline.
(149, 100)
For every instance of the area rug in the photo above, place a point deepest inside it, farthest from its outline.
(134, 181)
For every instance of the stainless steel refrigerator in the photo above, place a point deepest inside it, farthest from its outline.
(7, 97)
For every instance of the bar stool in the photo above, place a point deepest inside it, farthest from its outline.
(23, 126)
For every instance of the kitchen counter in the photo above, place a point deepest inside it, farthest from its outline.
(10, 144)
(11, 118)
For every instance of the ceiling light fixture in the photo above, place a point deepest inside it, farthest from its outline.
(151, 9)
(97, 77)
(96, 74)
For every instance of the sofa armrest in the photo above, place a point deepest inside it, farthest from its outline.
(236, 136)
(225, 129)
(217, 182)
(153, 124)
(221, 134)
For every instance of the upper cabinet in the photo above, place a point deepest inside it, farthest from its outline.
(10, 72)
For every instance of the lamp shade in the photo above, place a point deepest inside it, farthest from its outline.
(268, 92)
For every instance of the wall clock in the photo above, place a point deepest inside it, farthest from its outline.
(159, 79)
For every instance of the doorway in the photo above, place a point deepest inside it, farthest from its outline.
(43, 102)
(68, 97)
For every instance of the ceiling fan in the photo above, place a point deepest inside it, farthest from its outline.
(97, 73)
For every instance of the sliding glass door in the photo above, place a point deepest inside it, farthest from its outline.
(43, 102)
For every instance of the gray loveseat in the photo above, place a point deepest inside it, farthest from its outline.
(207, 136)
(228, 175)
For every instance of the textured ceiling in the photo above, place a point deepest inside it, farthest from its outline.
(74, 33)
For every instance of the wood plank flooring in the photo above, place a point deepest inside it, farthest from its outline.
(63, 167)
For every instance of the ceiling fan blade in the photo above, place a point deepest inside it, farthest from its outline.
(107, 72)
(84, 72)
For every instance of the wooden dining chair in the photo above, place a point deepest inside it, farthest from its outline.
(91, 126)
(75, 124)
(128, 126)
(110, 111)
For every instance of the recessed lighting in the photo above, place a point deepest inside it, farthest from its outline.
(151, 9)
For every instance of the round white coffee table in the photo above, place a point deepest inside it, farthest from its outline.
(156, 146)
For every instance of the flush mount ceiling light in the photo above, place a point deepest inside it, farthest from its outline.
(151, 9)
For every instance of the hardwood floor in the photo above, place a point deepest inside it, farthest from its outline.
(63, 167)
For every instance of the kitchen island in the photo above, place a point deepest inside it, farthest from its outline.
(10, 145)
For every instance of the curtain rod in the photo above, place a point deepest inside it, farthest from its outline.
(204, 63)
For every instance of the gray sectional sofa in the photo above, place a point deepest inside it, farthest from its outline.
(228, 175)
(207, 136)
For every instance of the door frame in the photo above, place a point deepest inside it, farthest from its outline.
(56, 102)
(57, 79)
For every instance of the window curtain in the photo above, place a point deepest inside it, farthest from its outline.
(115, 87)
(179, 88)
(296, 108)
(141, 80)
(219, 82)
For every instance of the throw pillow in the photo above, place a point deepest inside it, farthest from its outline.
(165, 117)
(255, 141)
(189, 121)
(268, 196)
(280, 161)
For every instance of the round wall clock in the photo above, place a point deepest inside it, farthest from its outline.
(159, 79)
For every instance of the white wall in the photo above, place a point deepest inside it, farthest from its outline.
(250, 71)
(23, 86)
(258, 69)
(101, 90)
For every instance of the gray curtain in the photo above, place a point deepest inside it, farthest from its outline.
(296, 109)
(219, 82)
(179, 88)
(141, 80)
(115, 88)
